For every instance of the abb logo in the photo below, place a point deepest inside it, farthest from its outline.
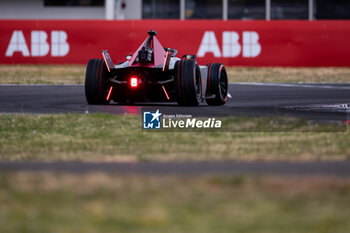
(39, 45)
(230, 44)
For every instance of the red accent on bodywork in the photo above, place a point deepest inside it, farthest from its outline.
(104, 58)
(109, 93)
(134, 56)
(158, 54)
(165, 60)
(166, 93)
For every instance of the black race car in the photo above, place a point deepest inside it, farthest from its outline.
(154, 74)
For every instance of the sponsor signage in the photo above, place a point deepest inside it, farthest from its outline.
(231, 42)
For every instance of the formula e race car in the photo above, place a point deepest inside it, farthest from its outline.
(155, 74)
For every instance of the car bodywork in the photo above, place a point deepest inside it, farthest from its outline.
(154, 73)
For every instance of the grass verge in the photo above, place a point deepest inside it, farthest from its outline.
(288, 75)
(75, 74)
(119, 137)
(42, 74)
(47, 202)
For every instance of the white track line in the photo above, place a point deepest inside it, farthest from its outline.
(324, 86)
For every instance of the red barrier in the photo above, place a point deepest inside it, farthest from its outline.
(241, 43)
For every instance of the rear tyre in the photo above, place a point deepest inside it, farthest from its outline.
(96, 88)
(188, 86)
(217, 84)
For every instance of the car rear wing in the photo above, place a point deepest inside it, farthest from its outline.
(108, 60)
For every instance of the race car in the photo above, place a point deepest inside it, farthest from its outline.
(154, 74)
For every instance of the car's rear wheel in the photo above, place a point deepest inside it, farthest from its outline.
(217, 84)
(96, 88)
(188, 85)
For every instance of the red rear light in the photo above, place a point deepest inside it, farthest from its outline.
(134, 82)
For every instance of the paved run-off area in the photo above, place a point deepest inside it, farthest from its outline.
(313, 101)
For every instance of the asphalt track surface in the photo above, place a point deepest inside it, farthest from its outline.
(327, 101)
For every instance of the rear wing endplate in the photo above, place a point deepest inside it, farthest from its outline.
(108, 60)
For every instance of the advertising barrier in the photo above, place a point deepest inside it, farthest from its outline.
(232, 42)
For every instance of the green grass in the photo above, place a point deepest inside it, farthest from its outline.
(288, 75)
(42, 74)
(119, 137)
(75, 74)
(47, 202)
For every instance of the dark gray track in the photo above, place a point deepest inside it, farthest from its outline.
(247, 99)
(341, 169)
